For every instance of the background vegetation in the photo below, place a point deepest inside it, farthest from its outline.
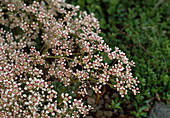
(141, 29)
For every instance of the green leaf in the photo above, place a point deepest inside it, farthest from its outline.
(103, 23)
(89, 1)
(147, 101)
(106, 0)
(136, 105)
(143, 107)
(98, 7)
(166, 80)
(118, 106)
(133, 112)
(112, 7)
(111, 10)
(81, 2)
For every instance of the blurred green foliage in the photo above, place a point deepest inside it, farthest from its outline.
(115, 105)
(140, 28)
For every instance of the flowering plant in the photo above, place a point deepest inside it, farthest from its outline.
(71, 53)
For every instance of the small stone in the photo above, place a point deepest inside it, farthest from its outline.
(98, 107)
(121, 111)
(160, 110)
(121, 116)
(109, 101)
(115, 113)
(94, 96)
(90, 100)
(94, 105)
(131, 117)
(101, 101)
(108, 114)
(99, 114)
(90, 92)
(106, 97)
(114, 95)
(114, 116)
(127, 102)
(108, 93)
(130, 106)
(89, 117)
(93, 110)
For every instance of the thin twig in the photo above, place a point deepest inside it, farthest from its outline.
(165, 66)
(158, 4)
(142, 47)
(100, 95)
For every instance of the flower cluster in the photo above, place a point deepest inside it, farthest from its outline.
(51, 40)
(24, 92)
